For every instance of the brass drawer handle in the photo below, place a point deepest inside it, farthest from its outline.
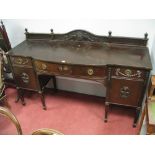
(128, 72)
(63, 68)
(44, 66)
(125, 92)
(90, 71)
(60, 68)
(25, 77)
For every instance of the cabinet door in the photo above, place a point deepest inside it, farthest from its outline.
(125, 92)
(25, 78)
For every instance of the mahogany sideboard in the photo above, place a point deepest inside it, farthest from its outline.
(122, 64)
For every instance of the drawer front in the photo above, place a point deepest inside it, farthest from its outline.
(89, 71)
(128, 73)
(72, 70)
(126, 92)
(25, 78)
(53, 68)
(21, 61)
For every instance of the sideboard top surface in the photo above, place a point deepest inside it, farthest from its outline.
(84, 52)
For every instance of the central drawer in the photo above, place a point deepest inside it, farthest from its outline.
(72, 70)
(53, 68)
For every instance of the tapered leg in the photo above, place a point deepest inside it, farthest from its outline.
(42, 100)
(54, 84)
(136, 116)
(18, 95)
(22, 97)
(106, 112)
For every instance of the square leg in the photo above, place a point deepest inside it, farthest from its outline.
(136, 117)
(106, 112)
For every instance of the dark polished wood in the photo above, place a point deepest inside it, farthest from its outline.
(122, 64)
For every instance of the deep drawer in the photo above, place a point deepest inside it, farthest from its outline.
(25, 78)
(125, 92)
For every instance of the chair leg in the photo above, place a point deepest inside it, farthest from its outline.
(42, 100)
(54, 84)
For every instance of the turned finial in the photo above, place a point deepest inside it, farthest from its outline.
(146, 35)
(1, 22)
(51, 31)
(110, 33)
(26, 30)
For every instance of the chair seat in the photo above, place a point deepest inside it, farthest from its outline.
(151, 112)
(150, 115)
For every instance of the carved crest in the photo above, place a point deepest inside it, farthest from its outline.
(80, 35)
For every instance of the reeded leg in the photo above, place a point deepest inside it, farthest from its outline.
(136, 117)
(42, 100)
(22, 97)
(54, 84)
(106, 112)
(18, 95)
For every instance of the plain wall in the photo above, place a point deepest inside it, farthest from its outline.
(129, 28)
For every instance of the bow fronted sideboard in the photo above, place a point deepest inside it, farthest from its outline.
(121, 64)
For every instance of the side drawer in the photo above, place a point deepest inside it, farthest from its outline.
(125, 92)
(25, 78)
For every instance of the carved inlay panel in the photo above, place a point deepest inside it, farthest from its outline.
(128, 73)
(80, 35)
(21, 61)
